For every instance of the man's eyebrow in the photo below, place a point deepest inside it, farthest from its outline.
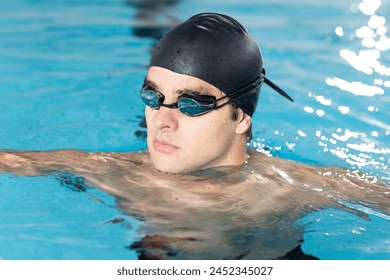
(194, 90)
(199, 90)
(150, 83)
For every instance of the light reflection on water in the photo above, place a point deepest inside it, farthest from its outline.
(374, 40)
(367, 60)
(349, 113)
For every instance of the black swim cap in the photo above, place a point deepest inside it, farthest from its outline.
(217, 49)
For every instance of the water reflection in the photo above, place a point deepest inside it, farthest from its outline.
(361, 148)
(153, 18)
(373, 38)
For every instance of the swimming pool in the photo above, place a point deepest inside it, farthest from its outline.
(71, 71)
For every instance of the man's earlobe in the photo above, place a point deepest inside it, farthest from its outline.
(244, 124)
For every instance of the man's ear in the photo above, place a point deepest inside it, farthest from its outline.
(244, 122)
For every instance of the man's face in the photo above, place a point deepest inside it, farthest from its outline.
(180, 143)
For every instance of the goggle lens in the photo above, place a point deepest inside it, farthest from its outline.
(187, 104)
(191, 107)
(150, 98)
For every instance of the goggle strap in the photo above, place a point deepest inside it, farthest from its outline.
(233, 96)
(277, 89)
(237, 94)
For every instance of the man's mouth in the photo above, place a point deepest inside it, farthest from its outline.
(163, 146)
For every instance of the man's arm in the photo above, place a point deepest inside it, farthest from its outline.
(30, 163)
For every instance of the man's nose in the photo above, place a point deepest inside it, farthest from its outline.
(166, 119)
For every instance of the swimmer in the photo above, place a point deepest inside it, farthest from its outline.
(198, 190)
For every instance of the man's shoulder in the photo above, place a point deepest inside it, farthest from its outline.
(263, 160)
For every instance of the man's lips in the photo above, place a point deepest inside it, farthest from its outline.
(163, 146)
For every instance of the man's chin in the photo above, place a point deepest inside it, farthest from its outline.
(170, 169)
(171, 165)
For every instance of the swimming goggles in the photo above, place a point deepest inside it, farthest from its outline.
(194, 105)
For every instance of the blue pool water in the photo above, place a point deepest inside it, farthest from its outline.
(44, 218)
(70, 75)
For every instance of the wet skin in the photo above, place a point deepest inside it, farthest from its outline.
(218, 213)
